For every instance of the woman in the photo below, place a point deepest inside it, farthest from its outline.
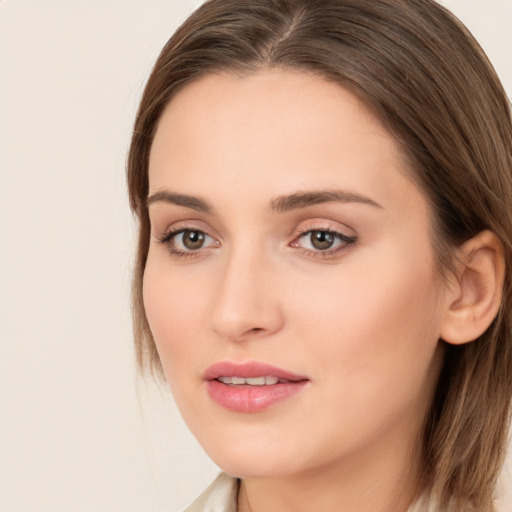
(324, 189)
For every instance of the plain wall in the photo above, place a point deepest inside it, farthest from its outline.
(78, 432)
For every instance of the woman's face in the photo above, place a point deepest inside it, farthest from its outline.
(289, 248)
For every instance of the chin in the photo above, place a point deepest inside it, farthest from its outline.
(251, 459)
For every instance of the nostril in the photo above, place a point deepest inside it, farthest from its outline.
(255, 331)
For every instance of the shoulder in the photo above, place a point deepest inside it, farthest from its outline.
(220, 496)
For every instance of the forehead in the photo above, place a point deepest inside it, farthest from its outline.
(297, 103)
(280, 128)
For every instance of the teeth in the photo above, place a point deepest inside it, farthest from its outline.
(256, 381)
(268, 380)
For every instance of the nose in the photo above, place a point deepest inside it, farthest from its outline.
(247, 304)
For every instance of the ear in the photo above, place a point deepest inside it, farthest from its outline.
(474, 297)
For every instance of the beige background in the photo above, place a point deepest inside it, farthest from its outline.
(77, 432)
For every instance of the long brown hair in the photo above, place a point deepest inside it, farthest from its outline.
(422, 73)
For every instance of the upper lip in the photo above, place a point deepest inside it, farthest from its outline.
(248, 370)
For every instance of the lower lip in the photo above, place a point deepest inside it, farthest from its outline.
(251, 398)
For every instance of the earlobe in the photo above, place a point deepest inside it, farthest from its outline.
(474, 298)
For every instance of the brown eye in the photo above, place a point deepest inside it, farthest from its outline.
(188, 241)
(322, 240)
(192, 240)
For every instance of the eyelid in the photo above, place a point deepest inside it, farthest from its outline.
(324, 225)
(160, 229)
(173, 233)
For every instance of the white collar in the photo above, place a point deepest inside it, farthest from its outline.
(220, 496)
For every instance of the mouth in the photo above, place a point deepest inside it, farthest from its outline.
(268, 380)
(251, 387)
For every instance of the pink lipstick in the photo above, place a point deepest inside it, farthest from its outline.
(252, 386)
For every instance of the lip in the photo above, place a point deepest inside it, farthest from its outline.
(246, 398)
(248, 370)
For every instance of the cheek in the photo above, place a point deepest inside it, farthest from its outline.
(175, 311)
(378, 322)
(370, 337)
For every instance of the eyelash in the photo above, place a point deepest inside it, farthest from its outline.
(348, 241)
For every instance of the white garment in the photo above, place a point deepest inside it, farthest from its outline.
(220, 496)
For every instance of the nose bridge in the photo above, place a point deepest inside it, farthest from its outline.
(246, 304)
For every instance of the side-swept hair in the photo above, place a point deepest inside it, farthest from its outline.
(422, 73)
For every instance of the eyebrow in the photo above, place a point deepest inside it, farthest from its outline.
(280, 204)
(304, 199)
(192, 202)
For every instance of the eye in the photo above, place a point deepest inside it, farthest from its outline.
(191, 240)
(187, 241)
(323, 241)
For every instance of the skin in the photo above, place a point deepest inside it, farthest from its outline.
(361, 321)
